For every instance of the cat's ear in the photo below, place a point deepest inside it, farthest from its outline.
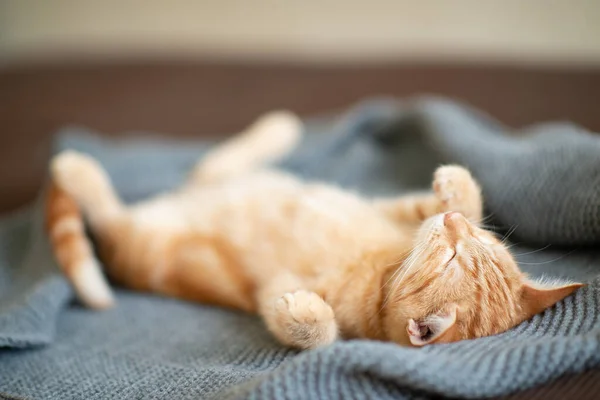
(536, 297)
(439, 327)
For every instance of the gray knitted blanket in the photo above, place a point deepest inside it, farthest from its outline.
(542, 184)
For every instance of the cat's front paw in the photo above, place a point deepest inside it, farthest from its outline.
(456, 190)
(305, 320)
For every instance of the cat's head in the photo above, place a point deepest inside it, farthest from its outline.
(461, 282)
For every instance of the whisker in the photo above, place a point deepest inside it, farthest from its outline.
(549, 261)
(397, 260)
(534, 251)
(408, 263)
(508, 246)
(486, 218)
(491, 228)
(396, 272)
(412, 258)
(509, 233)
(496, 234)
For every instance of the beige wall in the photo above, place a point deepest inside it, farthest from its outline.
(521, 31)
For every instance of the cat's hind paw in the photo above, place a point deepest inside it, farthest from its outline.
(304, 320)
(76, 172)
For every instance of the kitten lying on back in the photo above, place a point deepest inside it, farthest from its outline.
(313, 260)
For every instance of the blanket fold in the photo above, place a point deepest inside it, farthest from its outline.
(541, 185)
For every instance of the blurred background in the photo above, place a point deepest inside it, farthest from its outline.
(207, 68)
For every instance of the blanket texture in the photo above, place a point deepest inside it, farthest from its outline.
(541, 184)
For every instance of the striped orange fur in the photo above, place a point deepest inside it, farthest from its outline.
(72, 249)
(316, 262)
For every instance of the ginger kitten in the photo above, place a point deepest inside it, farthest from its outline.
(314, 261)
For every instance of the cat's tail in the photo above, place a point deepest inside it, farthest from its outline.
(73, 249)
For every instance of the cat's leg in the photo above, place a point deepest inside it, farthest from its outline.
(409, 209)
(296, 317)
(85, 180)
(268, 139)
(454, 189)
(79, 183)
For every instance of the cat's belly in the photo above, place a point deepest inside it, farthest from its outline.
(306, 229)
(226, 240)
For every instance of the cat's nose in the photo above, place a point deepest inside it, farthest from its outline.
(455, 224)
(451, 217)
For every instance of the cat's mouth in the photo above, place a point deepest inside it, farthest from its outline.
(452, 257)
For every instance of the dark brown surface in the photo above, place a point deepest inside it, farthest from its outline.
(186, 99)
(194, 99)
(585, 386)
